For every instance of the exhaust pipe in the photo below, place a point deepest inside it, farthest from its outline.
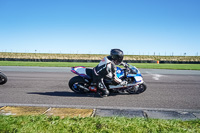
(83, 87)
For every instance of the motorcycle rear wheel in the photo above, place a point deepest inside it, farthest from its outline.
(73, 84)
(3, 78)
(142, 87)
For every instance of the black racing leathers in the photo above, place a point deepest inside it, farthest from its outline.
(105, 69)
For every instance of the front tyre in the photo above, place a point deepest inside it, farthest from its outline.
(3, 78)
(74, 82)
(137, 89)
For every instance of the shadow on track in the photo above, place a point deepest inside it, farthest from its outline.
(64, 94)
(71, 94)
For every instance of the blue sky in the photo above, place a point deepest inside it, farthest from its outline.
(142, 27)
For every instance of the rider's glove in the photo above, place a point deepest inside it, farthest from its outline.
(123, 64)
(123, 83)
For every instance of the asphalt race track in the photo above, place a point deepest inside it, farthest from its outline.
(48, 86)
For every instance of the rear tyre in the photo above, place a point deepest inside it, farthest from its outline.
(137, 90)
(3, 78)
(74, 82)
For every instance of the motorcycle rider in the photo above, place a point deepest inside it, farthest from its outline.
(107, 69)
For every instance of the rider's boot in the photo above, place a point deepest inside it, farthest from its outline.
(103, 92)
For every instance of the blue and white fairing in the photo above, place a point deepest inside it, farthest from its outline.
(120, 72)
(134, 73)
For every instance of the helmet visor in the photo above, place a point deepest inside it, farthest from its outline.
(118, 61)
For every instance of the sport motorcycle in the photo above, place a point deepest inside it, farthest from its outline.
(3, 78)
(130, 74)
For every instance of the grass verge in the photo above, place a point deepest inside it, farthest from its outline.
(71, 64)
(45, 124)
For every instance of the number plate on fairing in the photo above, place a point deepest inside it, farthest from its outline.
(138, 79)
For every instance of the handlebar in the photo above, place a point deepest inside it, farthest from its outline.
(124, 64)
(128, 69)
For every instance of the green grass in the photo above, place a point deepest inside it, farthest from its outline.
(46, 64)
(44, 124)
(71, 64)
(168, 66)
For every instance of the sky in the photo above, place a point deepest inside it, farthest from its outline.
(138, 27)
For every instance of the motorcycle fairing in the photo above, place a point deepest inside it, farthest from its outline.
(81, 71)
(137, 76)
(119, 72)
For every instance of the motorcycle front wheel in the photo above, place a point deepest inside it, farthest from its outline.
(3, 78)
(137, 90)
